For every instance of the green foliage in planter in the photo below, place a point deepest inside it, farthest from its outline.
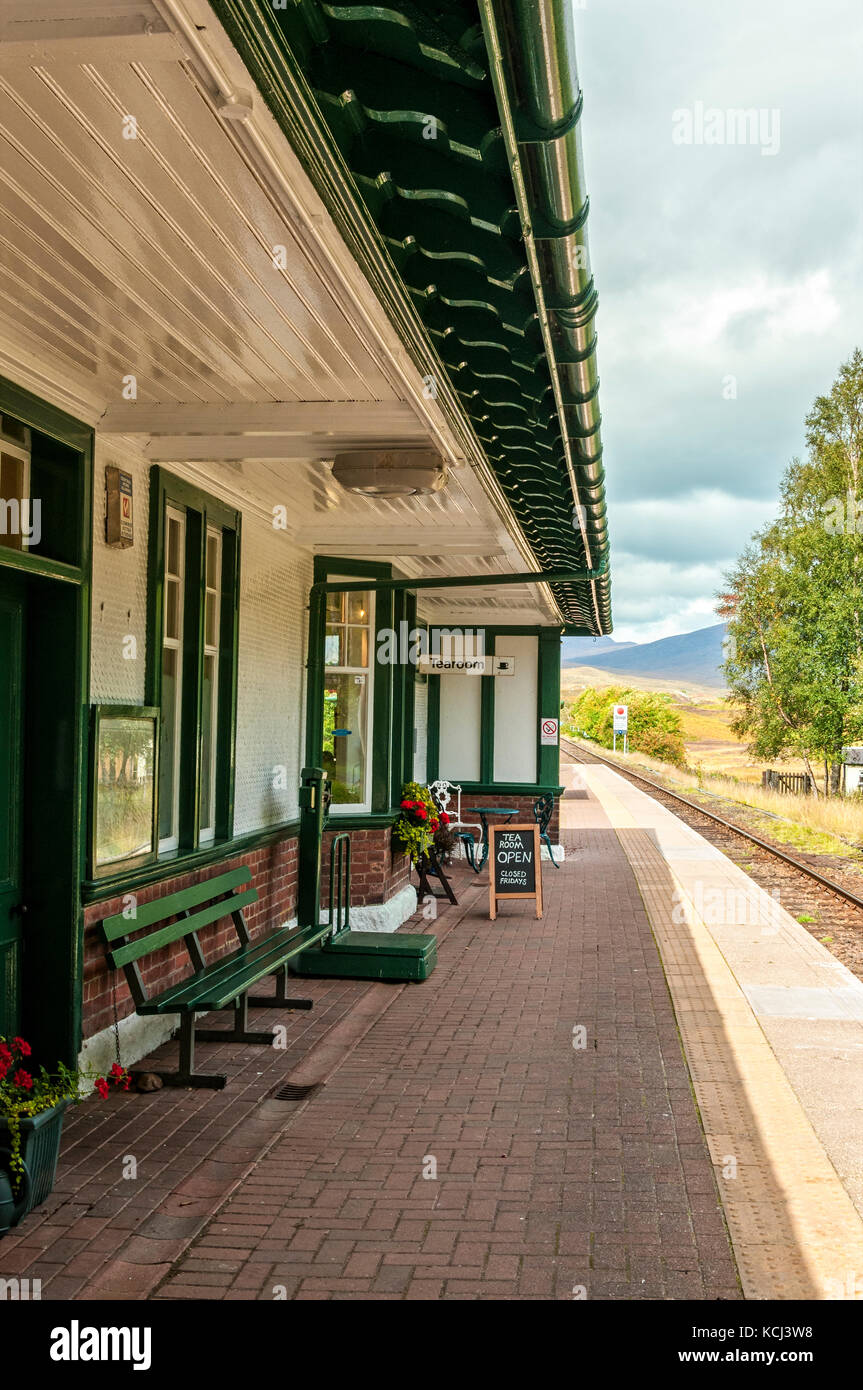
(419, 822)
(24, 1095)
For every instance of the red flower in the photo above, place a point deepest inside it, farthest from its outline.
(435, 825)
(422, 812)
(21, 1046)
(118, 1076)
(102, 1087)
(444, 818)
(23, 1080)
(5, 1054)
(4, 1067)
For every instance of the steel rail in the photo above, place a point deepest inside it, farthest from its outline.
(827, 883)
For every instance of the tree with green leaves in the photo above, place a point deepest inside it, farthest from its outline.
(794, 599)
(655, 726)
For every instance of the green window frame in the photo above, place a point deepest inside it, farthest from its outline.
(388, 740)
(194, 585)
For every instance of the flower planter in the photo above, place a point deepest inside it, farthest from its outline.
(40, 1149)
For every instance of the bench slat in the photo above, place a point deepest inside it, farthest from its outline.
(160, 908)
(182, 927)
(246, 960)
(231, 976)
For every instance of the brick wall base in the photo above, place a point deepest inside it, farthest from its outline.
(377, 871)
(377, 875)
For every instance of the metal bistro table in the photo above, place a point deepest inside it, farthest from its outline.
(483, 847)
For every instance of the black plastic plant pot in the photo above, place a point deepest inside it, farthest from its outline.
(40, 1149)
(12, 1205)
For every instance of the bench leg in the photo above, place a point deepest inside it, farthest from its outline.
(280, 999)
(240, 1031)
(187, 1076)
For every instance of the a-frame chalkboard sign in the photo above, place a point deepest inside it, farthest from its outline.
(515, 868)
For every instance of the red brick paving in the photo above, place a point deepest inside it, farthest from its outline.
(557, 1169)
(189, 1146)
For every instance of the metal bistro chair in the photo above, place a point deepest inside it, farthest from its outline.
(441, 793)
(543, 810)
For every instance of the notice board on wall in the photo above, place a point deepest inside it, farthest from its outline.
(515, 868)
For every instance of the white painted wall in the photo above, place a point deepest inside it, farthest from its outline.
(853, 778)
(460, 713)
(119, 587)
(515, 718)
(421, 709)
(274, 584)
(275, 577)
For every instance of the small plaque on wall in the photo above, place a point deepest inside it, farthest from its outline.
(119, 519)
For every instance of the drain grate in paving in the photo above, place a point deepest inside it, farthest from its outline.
(293, 1092)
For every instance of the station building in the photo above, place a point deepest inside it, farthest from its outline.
(293, 296)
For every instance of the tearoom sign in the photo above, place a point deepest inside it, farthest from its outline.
(516, 869)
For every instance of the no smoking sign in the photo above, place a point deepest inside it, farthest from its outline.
(548, 731)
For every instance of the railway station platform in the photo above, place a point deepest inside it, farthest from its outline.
(772, 1028)
(585, 1106)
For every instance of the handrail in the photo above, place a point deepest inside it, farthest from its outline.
(340, 893)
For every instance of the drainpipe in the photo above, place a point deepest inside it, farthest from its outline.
(531, 47)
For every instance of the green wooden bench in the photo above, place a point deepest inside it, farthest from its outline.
(222, 984)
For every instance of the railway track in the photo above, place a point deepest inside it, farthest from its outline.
(832, 912)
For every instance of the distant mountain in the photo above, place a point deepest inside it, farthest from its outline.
(580, 651)
(690, 657)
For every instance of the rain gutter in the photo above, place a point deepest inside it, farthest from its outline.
(531, 49)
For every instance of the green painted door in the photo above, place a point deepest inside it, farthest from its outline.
(11, 916)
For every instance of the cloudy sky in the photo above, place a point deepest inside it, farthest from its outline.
(714, 261)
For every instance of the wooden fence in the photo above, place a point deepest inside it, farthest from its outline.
(791, 783)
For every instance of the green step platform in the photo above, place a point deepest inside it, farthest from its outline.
(370, 955)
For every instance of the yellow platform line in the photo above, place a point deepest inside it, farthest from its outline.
(794, 1229)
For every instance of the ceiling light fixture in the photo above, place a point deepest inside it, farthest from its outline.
(391, 472)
